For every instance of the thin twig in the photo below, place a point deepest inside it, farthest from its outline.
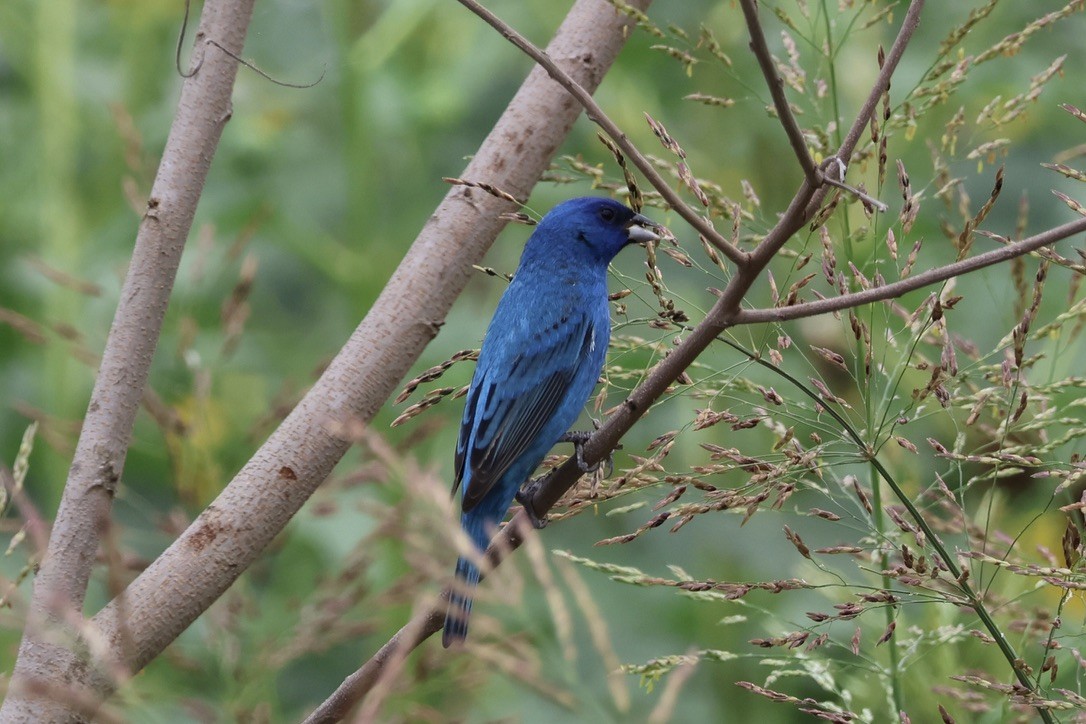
(776, 89)
(862, 196)
(596, 114)
(181, 43)
(900, 288)
(882, 83)
(265, 75)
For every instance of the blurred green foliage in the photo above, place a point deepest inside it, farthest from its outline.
(313, 198)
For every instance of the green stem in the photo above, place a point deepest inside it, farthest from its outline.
(1051, 635)
(876, 489)
(973, 600)
(887, 584)
(830, 53)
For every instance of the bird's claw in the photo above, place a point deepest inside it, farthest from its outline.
(524, 497)
(579, 438)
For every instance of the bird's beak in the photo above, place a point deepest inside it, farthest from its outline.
(642, 230)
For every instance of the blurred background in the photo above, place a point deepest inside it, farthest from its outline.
(314, 197)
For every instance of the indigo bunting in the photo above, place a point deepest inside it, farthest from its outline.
(541, 357)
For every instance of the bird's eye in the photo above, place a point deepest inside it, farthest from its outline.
(607, 214)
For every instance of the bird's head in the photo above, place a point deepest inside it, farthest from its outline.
(594, 228)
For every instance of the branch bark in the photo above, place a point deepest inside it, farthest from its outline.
(229, 535)
(83, 515)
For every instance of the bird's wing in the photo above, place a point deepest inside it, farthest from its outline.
(507, 408)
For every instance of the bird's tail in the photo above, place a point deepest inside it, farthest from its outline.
(456, 616)
(478, 527)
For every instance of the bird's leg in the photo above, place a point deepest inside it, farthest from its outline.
(524, 497)
(579, 438)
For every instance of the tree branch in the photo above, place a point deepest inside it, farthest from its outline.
(900, 288)
(354, 687)
(231, 533)
(61, 584)
(776, 89)
(596, 114)
(802, 206)
(422, 626)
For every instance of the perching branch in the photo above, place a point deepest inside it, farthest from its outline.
(547, 493)
(801, 209)
(596, 114)
(233, 531)
(84, 512)
(354, 687)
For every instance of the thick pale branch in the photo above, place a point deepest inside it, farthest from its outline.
(594, 112)
(899, 288)
(776, 89)
(83, 515)
(231, 533)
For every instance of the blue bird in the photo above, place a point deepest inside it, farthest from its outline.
(541, 357)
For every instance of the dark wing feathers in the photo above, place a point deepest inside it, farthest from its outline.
(465, 429)
(518, 402)
(522, 419)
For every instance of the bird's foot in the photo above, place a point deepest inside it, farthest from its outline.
(579, 438)
(524, 497)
